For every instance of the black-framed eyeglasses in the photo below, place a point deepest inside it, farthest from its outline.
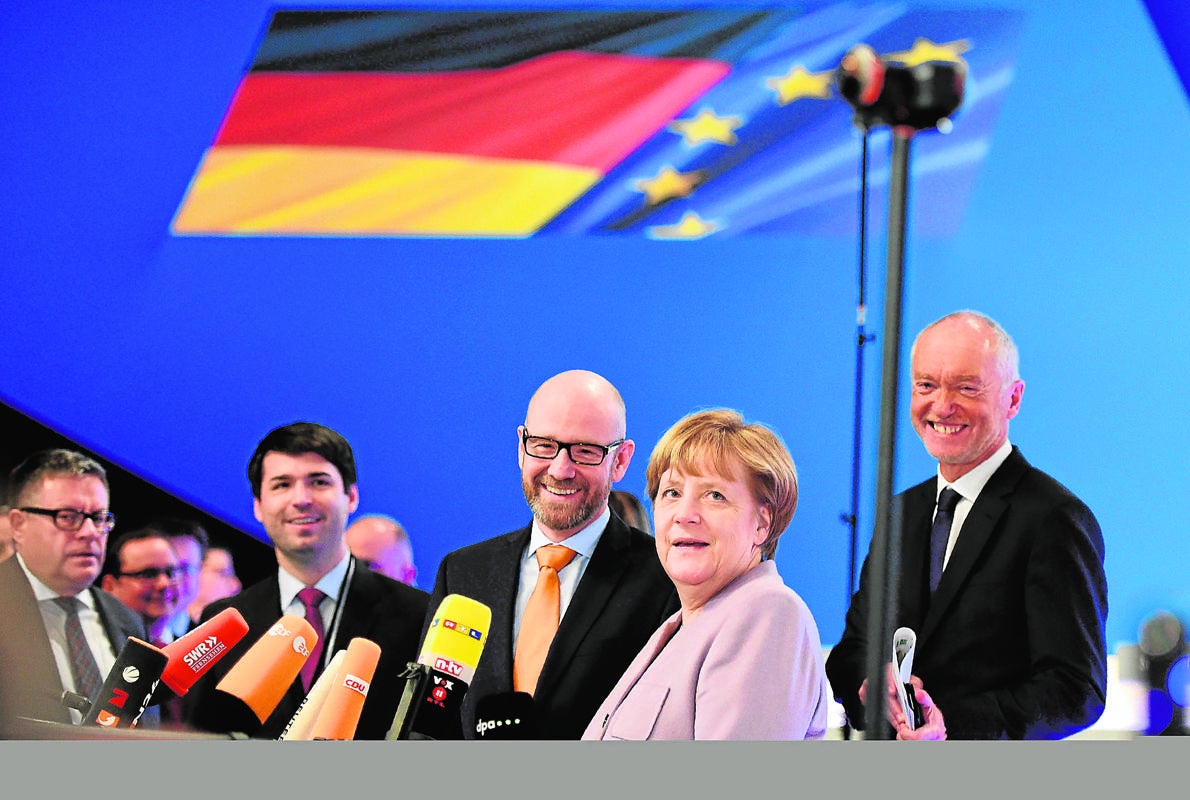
(151, 573)
(584, 453)
(71, 520)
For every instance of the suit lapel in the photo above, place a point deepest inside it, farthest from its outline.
(977, 531)
(918, 512)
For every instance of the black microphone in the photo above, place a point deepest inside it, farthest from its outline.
(506, 716)
(129, 686)
(431, 705)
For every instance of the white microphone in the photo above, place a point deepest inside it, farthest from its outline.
(904, 644)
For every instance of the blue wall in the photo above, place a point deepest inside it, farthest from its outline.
(172, 356)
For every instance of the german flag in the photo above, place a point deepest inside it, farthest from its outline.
(666, 123)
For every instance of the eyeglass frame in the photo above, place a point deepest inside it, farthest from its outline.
(152, 573)
(98, 518)
(606, 448)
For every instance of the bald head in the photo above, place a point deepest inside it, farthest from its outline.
(586, 394)
(382, 543)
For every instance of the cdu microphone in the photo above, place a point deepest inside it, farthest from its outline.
(904, 645)
(193, 654)
(126, 691)
(344, 702)
(437, 682)
(507, 716)
(256, 683)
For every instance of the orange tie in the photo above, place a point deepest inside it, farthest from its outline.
(540, 622)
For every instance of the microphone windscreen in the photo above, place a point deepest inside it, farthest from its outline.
(126, 690)
(301, 725)
(507, 715)
(457, 635)
(262, 676)
(345, 702)
(193, 654)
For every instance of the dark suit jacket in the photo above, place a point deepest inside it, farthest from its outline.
(1012, 644)
(377, 608)
(623, 597)
(29, 682)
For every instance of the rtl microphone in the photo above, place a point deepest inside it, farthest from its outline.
(126, 691)
(261, 677)
(904, 646)
(301, 724)
(192, 655)
(506, 715)
(345, 702)
(437, 682)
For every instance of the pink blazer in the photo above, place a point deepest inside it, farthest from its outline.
(749, 666)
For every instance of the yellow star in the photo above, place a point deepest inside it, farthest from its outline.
(691, 226)
(707, 127)
(924, 50)
(800, 82)
(669, 183)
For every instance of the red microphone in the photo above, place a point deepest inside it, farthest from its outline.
(192, 655)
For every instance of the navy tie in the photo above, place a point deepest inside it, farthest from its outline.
(940, 533)
(87, 680)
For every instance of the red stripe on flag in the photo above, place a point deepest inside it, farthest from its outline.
(575, 108)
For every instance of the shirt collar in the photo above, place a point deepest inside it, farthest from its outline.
(43, 592)
(328, 583)
(582, 541)
(971, 484)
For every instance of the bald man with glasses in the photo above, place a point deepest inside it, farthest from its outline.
(611, 592)
(58, 632)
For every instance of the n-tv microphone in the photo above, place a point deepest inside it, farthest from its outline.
(126, 690)
(904, 646)
(430, 707)
(507, 716)
(256, 683)
(344, 703)
(192, 655)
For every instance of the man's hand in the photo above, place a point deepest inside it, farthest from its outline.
(935, 724)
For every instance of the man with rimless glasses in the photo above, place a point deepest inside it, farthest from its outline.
(57, 631)
(611, 591)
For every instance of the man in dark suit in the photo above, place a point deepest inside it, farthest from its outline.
(613, 593)
(1010, 643)
(304, 482)
(60, 522)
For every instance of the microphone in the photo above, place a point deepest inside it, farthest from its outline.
(256, 683)
(899, 94)
(904, 645)
(506, 716)
(345, 701)
(437, 682)
(193, 654)
(125, 693)
(301, 723)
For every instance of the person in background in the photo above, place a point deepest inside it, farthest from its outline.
(630, 509)
(190, 543)
(141, 571)
(611, 593)
(6, 546)
(742, 658)
(1009, 602)
(58, 632)
(383, 544)
(217, 579)
(303, 482)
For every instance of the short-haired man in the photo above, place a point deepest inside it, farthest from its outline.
(571, 448)
(383, 544)
(142, 573)
(1010, 604)
(304, 487)
(58, 632)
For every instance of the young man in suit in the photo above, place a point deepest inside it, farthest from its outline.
(60, 522)
(1010, 642)
(304, 483)
(613, 592)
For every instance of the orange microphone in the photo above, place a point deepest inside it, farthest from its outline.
(345, 701)
(264, 673)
